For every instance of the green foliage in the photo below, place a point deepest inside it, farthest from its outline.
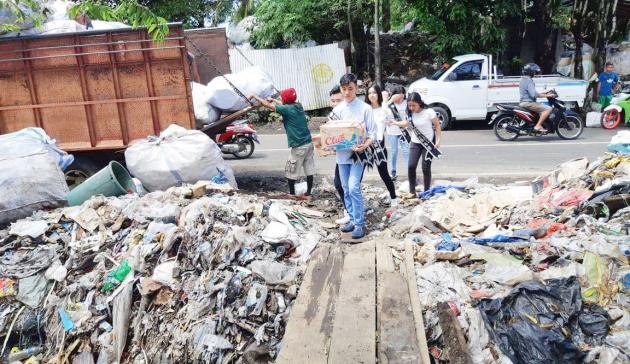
(287, 22)
(460, 27)
(128, 11)
(22, 11)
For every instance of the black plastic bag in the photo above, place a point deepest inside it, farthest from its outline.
(538, 323)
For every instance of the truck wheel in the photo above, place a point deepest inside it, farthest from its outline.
(443, 115)
(81, 169)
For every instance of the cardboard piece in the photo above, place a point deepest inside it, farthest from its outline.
(317, 143)
(341, 134)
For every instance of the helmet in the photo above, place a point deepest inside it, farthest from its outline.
(531, 69)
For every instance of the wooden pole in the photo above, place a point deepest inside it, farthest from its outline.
(377, 45)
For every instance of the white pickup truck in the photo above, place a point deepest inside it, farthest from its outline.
(468, 87)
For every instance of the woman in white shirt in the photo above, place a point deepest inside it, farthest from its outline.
(394, 134)
(382, 115)
(427, 122)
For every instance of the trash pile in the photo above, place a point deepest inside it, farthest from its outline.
(196, 273)
(406, 56)
(533, 273)
(57, 20)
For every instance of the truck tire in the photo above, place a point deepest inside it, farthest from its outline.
(81, 169)
(443, 115)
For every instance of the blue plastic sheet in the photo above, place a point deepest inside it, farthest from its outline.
(437, 190)
(497, 239)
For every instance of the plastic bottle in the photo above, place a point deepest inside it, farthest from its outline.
(116, 277)
(24, 354)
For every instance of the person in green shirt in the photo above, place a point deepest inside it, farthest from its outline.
(298, 136)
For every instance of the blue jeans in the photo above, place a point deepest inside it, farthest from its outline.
(393, 144)
(350, 175)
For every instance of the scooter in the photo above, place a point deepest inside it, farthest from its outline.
(618, 110)
(238, 139)
(513, 121)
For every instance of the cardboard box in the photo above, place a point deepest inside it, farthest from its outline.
(317, 143)
(341, 135)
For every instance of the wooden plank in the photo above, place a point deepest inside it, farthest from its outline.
(310, 323)
(453, 335)
(416, 306)
(397, 342)
(354, 333)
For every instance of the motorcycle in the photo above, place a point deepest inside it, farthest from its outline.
(618, 110)
(513, 121)
(238, 139)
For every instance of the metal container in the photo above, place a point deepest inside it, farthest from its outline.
(95, 90)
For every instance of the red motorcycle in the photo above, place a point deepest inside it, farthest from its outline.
(238, 139)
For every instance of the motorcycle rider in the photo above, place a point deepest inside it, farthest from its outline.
(527, 89)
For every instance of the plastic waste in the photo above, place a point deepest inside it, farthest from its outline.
(620, 142)
(115, 277)
(531, 323)
(24, 354)
(66, 321)
(274, 272)
(177, 156)
(30, 228)
(250, 81)
(597, 274)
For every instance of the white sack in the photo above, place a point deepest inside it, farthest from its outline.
(250, 81)
(204, 112)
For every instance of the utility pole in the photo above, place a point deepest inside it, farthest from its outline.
(352, 48)
(377, 45)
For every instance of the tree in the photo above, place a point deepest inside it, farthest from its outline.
(282, 23)
(21, 12)
(377, 45)
(459, 27)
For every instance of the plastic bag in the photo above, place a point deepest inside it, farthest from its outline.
(29, 183)
(620, 142)
(177, 156)
(250, 81)
(33, 140)
(204, 112)
(530, 324)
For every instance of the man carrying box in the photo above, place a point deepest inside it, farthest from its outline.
(351, 173)
(298, 137)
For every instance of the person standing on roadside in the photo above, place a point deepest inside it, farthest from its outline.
(335, 99)
(394, 134)
(608, 81)
(298, 136)
(382, 114)
(351, 172)
(426, 121)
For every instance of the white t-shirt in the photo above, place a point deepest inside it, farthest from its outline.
(423, 121)
(402, 111)
(381, 114)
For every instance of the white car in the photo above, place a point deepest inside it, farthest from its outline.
(468, 87)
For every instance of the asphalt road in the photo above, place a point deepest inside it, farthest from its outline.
(466, 153)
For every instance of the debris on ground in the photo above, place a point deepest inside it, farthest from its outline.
(534, 273)
(173, 276)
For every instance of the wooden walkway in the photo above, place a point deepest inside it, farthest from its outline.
(357, 304)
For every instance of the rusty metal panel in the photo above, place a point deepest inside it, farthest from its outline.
(95, 90)
(312, 71)
(213, 42)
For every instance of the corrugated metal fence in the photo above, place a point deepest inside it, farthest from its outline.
(311, 71)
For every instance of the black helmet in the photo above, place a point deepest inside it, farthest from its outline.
(531, 69)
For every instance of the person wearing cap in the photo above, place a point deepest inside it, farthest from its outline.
(298, 136)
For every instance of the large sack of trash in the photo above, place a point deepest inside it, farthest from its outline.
(250, 81)
(31, 176)
(177, 156)
(204, 112)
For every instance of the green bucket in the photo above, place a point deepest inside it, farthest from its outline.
(113, 180)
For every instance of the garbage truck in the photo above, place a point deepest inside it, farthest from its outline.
(96, 92)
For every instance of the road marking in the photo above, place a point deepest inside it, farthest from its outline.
(502, 145)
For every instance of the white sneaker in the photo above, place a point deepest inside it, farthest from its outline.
(393, 203)
(344, 220)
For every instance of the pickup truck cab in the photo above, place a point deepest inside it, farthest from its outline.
(468, 87)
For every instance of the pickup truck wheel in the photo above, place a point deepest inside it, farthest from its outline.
(443, 115)
(500, 128)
